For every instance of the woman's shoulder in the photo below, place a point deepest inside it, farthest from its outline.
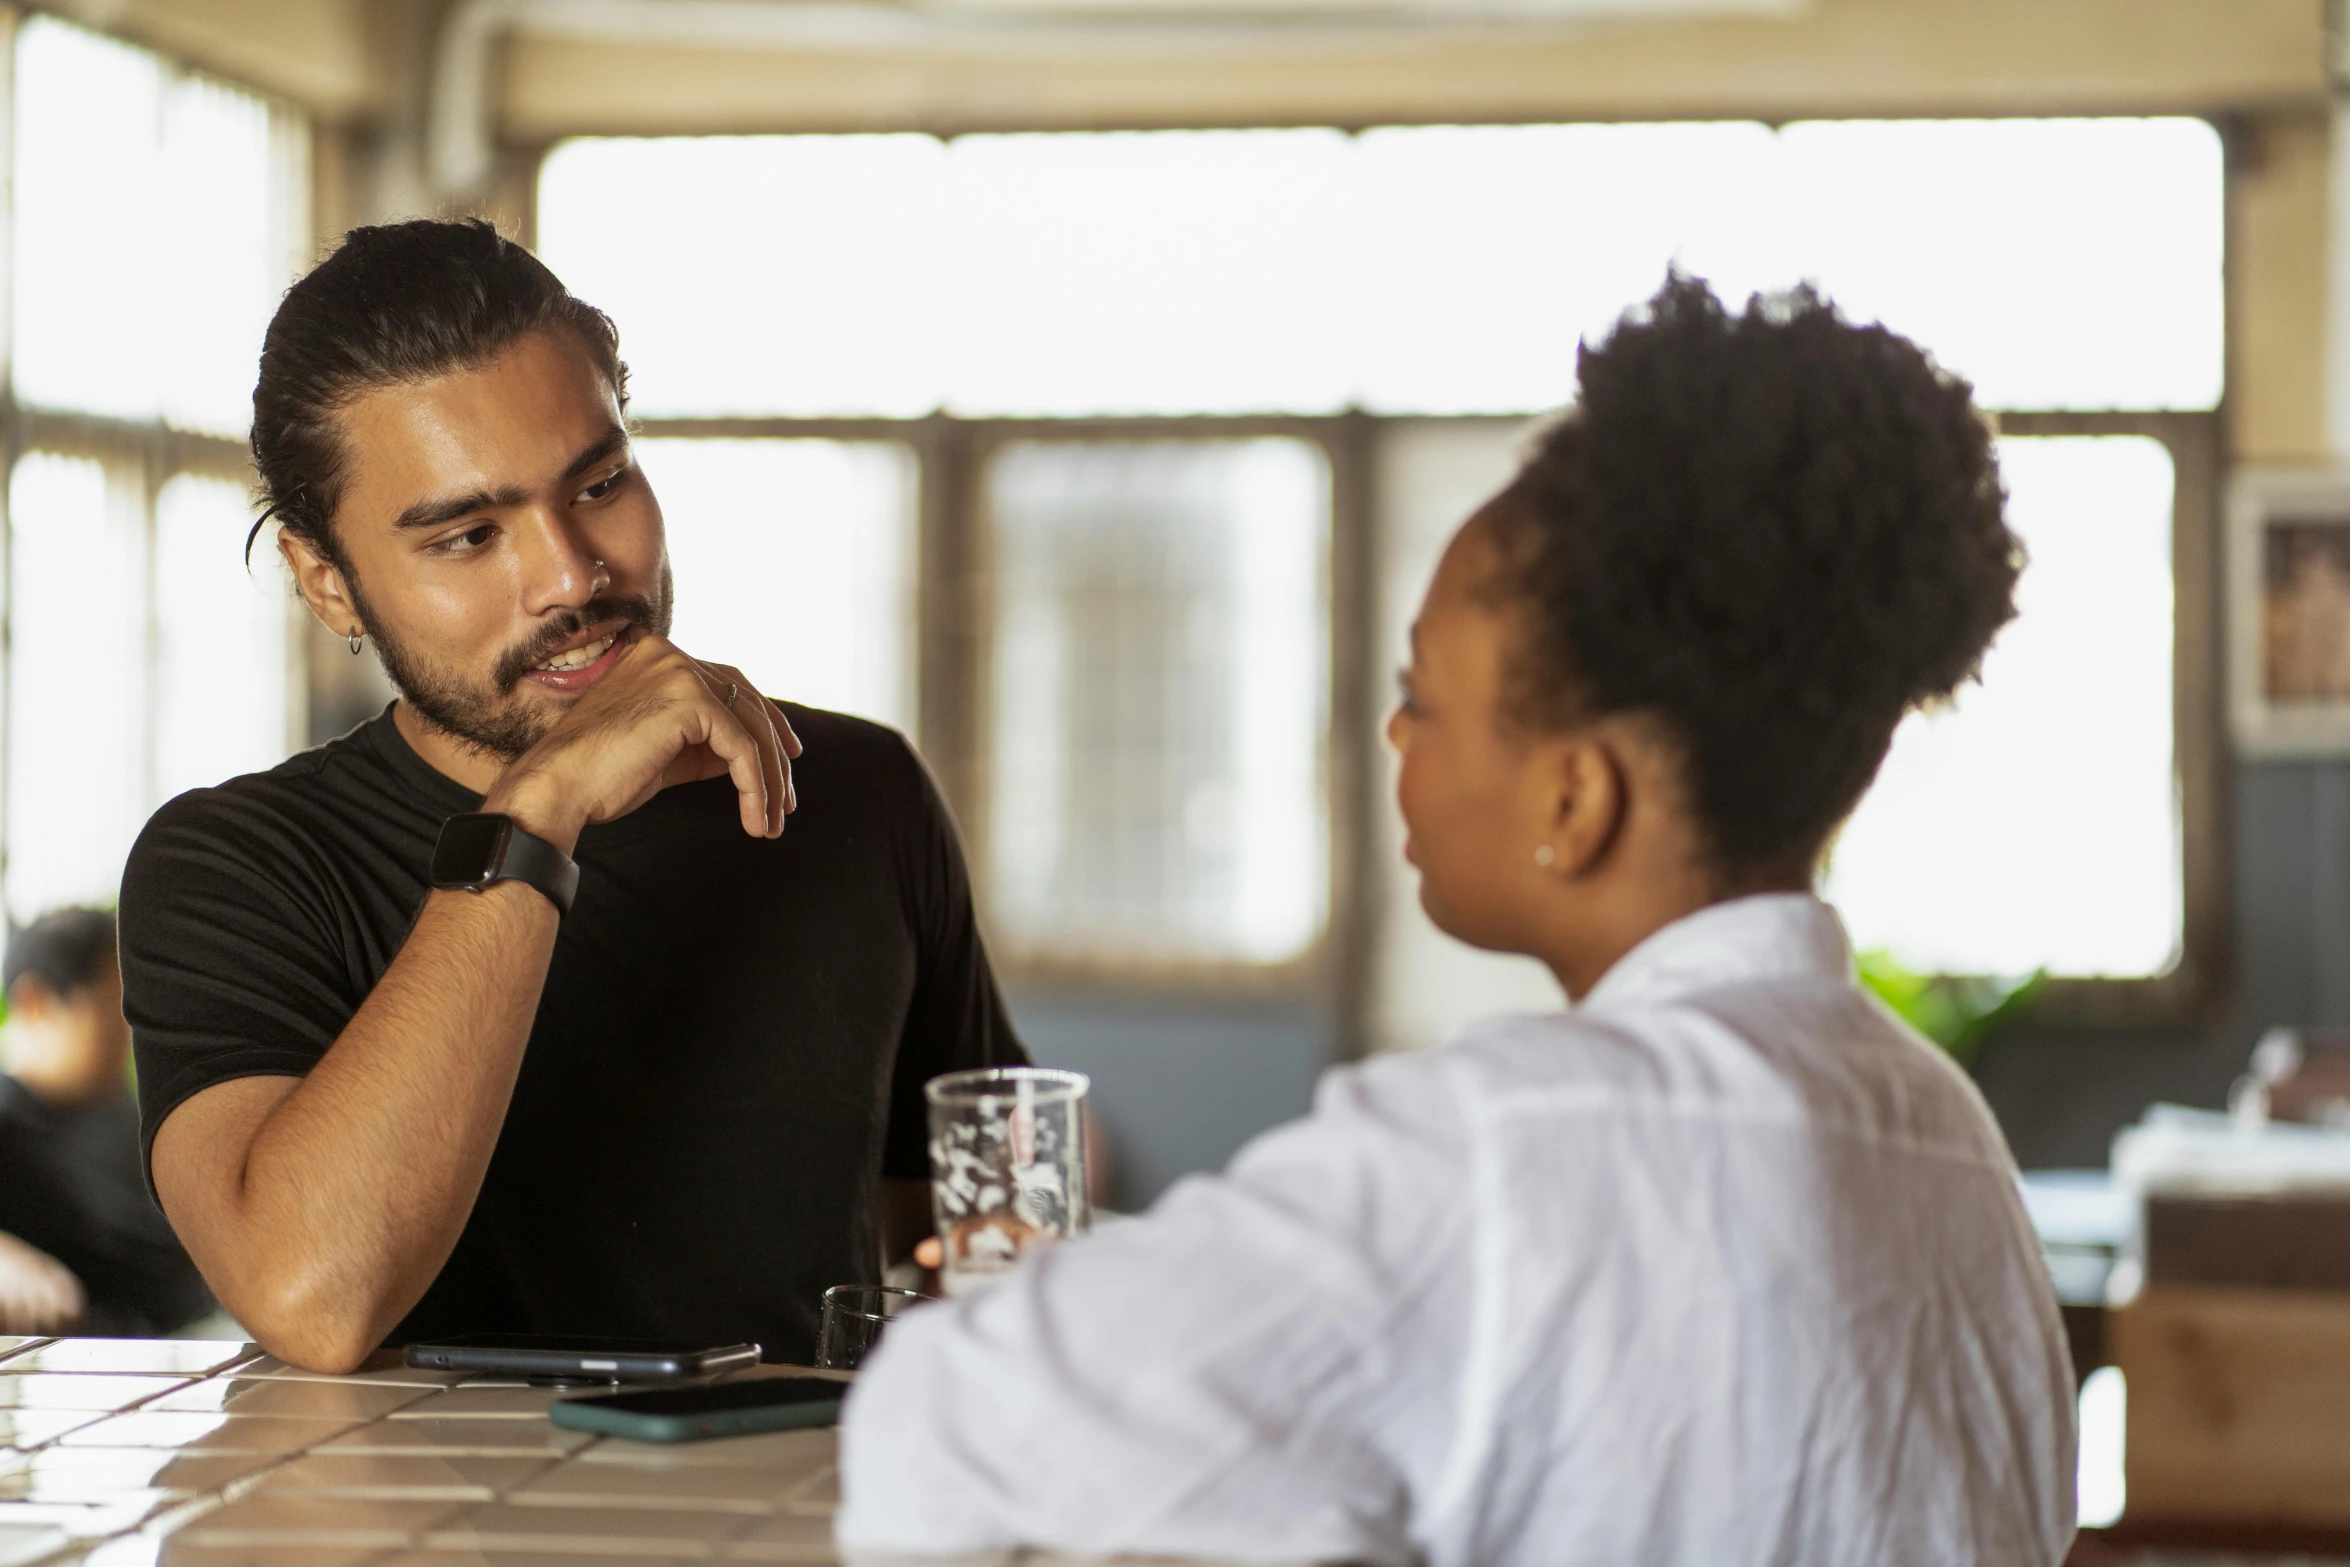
(1825, 1057)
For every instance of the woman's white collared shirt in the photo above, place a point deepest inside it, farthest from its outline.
(1725, 1266)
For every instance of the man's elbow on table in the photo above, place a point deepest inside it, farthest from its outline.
(305, 1321)
(295, 1276)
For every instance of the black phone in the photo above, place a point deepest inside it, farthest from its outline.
(581, 1359)
(690, 1414)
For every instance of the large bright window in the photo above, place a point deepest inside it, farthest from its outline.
(2034, 823)
(1158, 697)
(155, 217)
(2033, 256)
(1168, 272)
(77, 765)
(222, 643)
(1138, 721)
(794, 562)
(758, 274)
(1434, 270)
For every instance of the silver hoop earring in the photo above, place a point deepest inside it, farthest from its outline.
(1544, 855)
(357, 637)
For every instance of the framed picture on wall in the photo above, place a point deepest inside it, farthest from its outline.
(2288, 589)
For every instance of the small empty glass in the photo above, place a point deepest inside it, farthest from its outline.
(1007, 1167)
(854, 1316)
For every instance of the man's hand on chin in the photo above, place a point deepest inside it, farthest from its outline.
(659, 717)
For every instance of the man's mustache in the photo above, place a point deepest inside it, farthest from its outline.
(628, 609)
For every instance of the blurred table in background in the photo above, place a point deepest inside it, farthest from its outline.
(203, 1453)
(2215, 1411)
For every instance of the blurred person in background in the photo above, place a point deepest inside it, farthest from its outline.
(1725, 1265)
(71, 1192)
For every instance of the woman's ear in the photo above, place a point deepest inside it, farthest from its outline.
(1584, 796)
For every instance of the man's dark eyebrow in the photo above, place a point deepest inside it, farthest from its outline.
(606, 444)
(435, 514)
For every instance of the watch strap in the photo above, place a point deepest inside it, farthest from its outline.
(530, 858)
(479, 849)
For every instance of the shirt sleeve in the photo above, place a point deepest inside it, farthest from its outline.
(230, 966)
(1249, 1372)
(957, 1019)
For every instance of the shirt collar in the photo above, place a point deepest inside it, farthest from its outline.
(1779, 935)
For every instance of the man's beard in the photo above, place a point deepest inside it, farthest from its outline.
(482, 714)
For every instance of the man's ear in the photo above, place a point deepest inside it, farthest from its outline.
(1584, 797)
(321, 584)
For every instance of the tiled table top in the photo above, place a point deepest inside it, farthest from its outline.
(184, 1453)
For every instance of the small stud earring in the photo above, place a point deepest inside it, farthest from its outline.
(356, 638)
(1544, 854)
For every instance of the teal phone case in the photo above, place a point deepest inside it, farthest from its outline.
(587, 1414)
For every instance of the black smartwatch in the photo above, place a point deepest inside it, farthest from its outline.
(481, 848)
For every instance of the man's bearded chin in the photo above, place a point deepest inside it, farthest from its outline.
(485, 714)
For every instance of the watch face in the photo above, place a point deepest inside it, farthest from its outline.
(469, 851)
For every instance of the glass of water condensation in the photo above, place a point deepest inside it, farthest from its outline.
(1007, 1167)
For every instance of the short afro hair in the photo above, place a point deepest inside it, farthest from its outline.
(1775, 532)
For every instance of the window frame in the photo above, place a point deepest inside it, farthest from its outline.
(952, 655)
(954, 663)
(952, 660)
(2195, 989)
(147, 456)
(144, 454)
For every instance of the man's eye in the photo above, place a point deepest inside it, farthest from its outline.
(471, 539)
(602, 487)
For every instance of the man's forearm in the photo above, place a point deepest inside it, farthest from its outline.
(321, 1208)
(351, 1190)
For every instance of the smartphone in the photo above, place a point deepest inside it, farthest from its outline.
(689, 1414)
(581, 1359)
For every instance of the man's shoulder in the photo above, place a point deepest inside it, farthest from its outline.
(847, 757)
(858, 736)
(296, 805)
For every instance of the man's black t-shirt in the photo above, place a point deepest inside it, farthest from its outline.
(730, 1048)
(69, 1184)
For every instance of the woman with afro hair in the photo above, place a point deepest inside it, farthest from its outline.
(1722, 1265)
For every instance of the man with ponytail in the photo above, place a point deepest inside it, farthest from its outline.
(517, 1010)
